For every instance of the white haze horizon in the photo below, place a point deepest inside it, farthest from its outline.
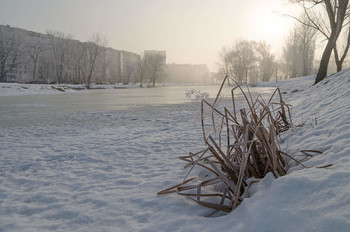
(191, 32)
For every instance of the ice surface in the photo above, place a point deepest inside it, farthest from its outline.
(99, 168)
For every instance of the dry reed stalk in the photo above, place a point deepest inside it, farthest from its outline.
(251, 150)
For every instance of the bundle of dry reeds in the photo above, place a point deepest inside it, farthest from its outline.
(244, 146)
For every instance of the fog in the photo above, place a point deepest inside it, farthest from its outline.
(190, 31)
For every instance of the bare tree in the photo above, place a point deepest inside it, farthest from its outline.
(10, 51)
(306, 37)
(220, 75)
(290, 54)
(336, 11)
(79, 62)
(243, 58)
(95, 47)
(59, 44)
(340, 58)
(143, 69)
(70, 65)
(266, 60)
(224, 62)
(299, 50)
(128, 71)
(46, 68)
(155, 67)
(35, 48)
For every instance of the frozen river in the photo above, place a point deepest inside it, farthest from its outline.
(17, 109)
(94, 160)
(21, 110)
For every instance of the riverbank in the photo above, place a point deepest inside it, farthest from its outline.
(16, 89)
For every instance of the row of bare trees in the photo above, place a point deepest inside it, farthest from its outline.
(321, 20)
(247, 59)
(74, 62)
(254, 61)
(54, 57)
(298, 51)
(328, 18)
(10, 52)
(57, 58)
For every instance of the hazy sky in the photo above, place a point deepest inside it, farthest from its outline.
(190, 31)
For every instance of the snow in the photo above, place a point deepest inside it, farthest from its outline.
(16, 89)
(100, 170)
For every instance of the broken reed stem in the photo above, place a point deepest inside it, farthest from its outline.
(251, 149)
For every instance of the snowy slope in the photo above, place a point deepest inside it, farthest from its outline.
(310, 199)
(307, 199)
(100, 171)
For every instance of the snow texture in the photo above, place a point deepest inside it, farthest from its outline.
(101, 170)
(16, 89)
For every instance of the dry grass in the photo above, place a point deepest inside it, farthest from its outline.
(243, 147)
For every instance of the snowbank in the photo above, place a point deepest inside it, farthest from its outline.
(291, 85)
(16, 89)
(307, 199)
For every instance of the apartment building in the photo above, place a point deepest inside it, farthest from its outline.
(32, 58)
(188, 73)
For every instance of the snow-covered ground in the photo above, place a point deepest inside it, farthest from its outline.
(100, 170)
(16, 89)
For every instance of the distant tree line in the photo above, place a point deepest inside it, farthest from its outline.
(251, 61)
(54, 57)
(298, 52)
(247, 61)
(57, 58)
(321, 20)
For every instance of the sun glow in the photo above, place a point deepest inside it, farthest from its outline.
(269, 24)
(272, 28)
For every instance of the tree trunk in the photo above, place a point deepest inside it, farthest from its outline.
(305, 66)
(34, 71)
(228, 79)
(149, 83)
(336, 27)
(2, 73)
(339, 61)
(322, 71)
(339, 67)
(141, 80)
